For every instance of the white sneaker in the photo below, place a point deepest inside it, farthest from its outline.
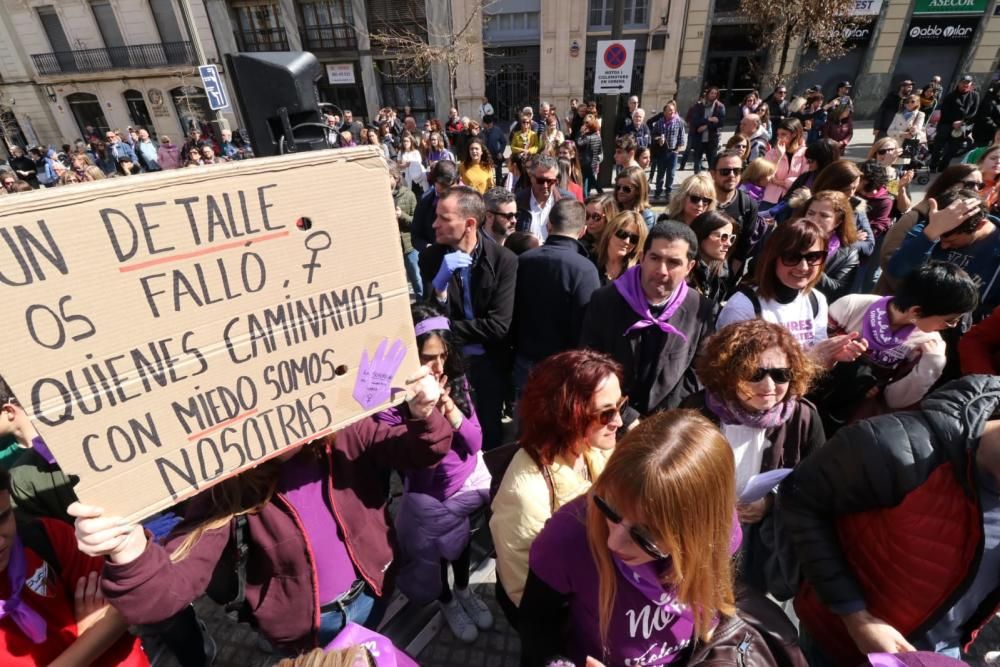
(475, 608)
(461, 625)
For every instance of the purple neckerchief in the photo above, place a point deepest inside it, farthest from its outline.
(30, 622)
(43, 450)
(735, 414)
(884, 345)
(832, 246)
(630, 287)
(678, 620)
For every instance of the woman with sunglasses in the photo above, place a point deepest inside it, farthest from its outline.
(525, 140)
(716, 234)
(696, 195)
(618, 247)
(906, 354)
(756, 376)
(887, 152)
(600, 209)
(832, 211)
(965, 175)
(570, 416)
(632, 571)
(632, 193)
(908, 123)
(788, 269)
(788, 155)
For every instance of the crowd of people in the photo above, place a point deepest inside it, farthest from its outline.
(782, 391)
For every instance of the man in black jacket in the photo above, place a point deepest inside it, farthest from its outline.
(473, 280)
(651, 323)
(444, 174)
(896, 526)
(958, 110)
(555, 283)
(739, 206)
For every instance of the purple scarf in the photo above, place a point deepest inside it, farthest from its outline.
(679, 619)
(832, 246)
(30, 622)
(729, 413)
(43, 450)
(630, 287)
(884, 346)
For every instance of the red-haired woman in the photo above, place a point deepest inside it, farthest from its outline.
(569, 420)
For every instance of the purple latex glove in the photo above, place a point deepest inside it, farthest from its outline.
(373, 386)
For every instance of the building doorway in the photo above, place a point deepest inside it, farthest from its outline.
(87, 112)
(138, 112)
(732, 66)
(512, 80)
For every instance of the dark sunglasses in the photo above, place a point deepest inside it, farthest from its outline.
(641, 540)
(627, 189)
(595, 216)
(975, 185)
(779, 375)
(546, 181)
(695, 199)
(607, 415)
(505, 216)
(730, 171)
(812, 258)
(886, 151)
(626, 236)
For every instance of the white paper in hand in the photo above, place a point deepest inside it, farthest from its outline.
(761, 484)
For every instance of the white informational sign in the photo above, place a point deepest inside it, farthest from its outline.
(340, 73)
(866, 8)
(613, 68)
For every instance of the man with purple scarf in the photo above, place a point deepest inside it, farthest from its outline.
(651, 323)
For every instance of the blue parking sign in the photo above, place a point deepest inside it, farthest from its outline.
(215, 88)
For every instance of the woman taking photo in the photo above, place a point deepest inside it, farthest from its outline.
(618, 247)
(569, 422)
(695, 196)
(319, 552)
(887, 152)
(634, 548)
(591, 153)
(432, 521)
(476, 169)
(632, 193)
(832, 211)
(716, 234)
(788, 155)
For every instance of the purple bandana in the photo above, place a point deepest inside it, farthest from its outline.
(26, 618)
(630, 287)
(676, 619)
(884, 345)
(832, 246)
(729, 413)
(43, 450)
(431, 324)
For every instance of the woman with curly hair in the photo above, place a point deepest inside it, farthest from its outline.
(639, 568)
(570, 416)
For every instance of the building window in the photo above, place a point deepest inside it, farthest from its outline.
(192, 107)
(602, 13)
(328, 24)
(87, 111)
(259, 28)
(399, 91)
(510, 27)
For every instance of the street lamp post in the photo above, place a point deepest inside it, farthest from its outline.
(609, 115)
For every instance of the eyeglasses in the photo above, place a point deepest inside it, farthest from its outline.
(975, 185)
(695, 199)
(607, 415)
(725, 237)
(546, 181)
(641, 540)
(627, 189)
(505, 216)
(886, 151)
(814, 258)
(595, 216)
(779, 375)
(626, 236)
(730, 171)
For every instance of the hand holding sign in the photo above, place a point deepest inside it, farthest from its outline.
(375, 376)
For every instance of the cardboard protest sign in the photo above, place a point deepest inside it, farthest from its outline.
(167, 331)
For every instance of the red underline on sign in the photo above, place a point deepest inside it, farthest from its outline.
(246, 414)
(198, 253)
(314, 436)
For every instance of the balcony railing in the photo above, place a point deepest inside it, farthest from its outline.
(339, 36)
(263, 39)
(137, 56)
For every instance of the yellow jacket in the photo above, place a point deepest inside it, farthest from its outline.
(525, 143)
(523, 505)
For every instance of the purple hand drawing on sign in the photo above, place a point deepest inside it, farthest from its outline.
(373, 386)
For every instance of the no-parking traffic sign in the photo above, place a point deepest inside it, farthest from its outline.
(613, 70)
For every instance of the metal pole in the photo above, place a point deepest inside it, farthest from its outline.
(199, 53)
(609, 105)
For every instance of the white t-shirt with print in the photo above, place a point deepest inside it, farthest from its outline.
(796, 316)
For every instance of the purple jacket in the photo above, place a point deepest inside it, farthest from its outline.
(281, 574)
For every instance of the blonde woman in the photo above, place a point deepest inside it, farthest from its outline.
(525, 140)
(655, 535)
(618, 248)
(908, 123)
(695, 196)
(886, 152)
(632, 193)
